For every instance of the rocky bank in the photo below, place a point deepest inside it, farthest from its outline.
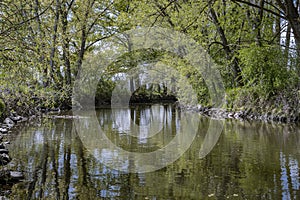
(7, 174)
(247, 114)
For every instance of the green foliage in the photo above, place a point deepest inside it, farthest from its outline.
(265, 68)
(241, 98)
(104, 91)
(44, 43)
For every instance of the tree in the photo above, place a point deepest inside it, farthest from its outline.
(44, 42)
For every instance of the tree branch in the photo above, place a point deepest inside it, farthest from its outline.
(95, 41)
(25, 21)
(257, 6)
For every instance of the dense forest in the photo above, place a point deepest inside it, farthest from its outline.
(45, 43)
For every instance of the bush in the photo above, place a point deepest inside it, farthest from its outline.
(243, 98)
(265, 68)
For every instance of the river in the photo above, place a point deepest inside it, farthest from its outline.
(246, 160)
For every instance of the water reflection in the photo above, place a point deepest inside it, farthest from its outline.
(142, 122)
(250, 161)
(147, 147)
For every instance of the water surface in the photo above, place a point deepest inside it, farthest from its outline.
(251, 160)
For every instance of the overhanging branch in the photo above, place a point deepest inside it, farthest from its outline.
(257, 6)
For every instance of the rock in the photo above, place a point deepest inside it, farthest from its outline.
(5, 126)
(9, 126)
(16, 175)
(276, 118)
(4, 159)
(199, 108)
(32, 117)
(16, 119)
(4, 151)
(3, 130)
(24, 119)
(239, 115)
(2, 146)
(205, 110)
(231, 115)
(251, 117)
(8, 121)
(283, 119)
(236, 115)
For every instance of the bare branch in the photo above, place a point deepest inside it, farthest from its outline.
(258, 6)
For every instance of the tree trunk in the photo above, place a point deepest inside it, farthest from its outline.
(229, 55)
(277, 29)
(84, 35)
(66, 40)
(258, 22)
(81, 51)
(292, 15)
(287, 43)
(41, 36)
(54, 36)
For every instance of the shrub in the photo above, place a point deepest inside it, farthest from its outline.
(265, 68)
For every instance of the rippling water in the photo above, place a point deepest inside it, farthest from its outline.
(251, 160)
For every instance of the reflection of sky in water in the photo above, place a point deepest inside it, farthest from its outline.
(109, 156)
(289, 169)
(150, 121)
(38, 137)
(284, 172)
(122, 120)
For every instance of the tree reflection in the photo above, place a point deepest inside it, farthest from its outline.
(252, 160)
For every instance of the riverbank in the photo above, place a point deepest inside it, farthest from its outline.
(11, 120)
(8, 174)
(283, 106)
(243, 114)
